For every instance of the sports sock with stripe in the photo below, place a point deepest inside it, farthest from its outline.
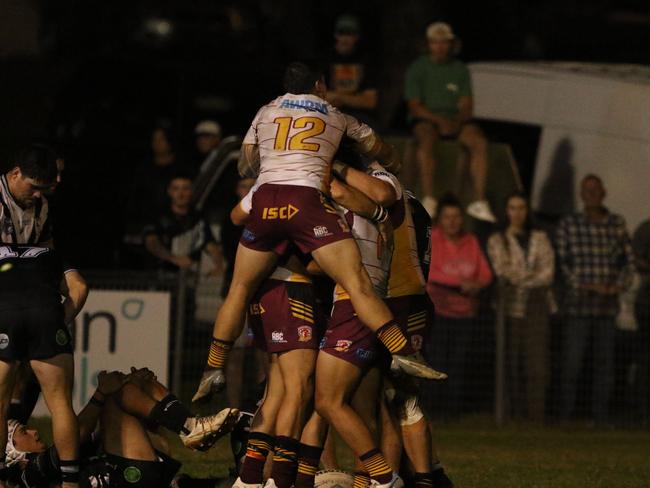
(170, 413)
(308, 461)
(393, 338)
(423, 480)
(285, 461)
(257, 448)
(361, 479)
(377, 467)
(219, 351)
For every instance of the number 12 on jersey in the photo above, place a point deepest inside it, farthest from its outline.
(312, 126)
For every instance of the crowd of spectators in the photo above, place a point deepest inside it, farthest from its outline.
(589, 258)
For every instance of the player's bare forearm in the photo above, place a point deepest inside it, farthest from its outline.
(377, 190)
(75, 290)
(238, 215)
(352, 199)
(375, 148)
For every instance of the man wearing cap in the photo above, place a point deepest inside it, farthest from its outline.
(439, 95)
(208, 137)
(351, 80)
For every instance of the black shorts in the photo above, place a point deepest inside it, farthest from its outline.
(130, 473)
(33, 333)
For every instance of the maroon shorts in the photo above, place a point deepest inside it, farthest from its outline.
(282, 214)
(414, 313)
(283, 317)
(347, 338)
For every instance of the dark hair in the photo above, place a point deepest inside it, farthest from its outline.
(300, 77)
(529, 224)
(593, 176)
(37, 161)
(181, 174)
(448, 200)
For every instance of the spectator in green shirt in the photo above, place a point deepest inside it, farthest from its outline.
(439, 95)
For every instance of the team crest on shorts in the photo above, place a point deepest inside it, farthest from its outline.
(277, 336)
(342, 345)
(4, 341)
(132, 474)
(304, 333)
(321, 231)
(61, 337)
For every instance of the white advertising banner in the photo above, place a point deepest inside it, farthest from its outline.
(117, 330)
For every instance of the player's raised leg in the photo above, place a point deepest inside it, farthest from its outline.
(341, 261)
(251, 267)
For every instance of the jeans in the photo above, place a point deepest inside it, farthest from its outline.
(577, 334)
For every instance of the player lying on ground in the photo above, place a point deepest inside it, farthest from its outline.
(124, 451)
(295, 138)
(33, 329)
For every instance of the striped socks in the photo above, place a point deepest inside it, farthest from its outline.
(361, 480)
(258, 446)
(375, 463)
(423, 480)
(219, 351)
(285, 461)
(393, 338)
(308, 462)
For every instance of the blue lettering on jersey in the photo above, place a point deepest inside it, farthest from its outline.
(306, 105)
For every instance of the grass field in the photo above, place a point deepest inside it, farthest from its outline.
(477, 454)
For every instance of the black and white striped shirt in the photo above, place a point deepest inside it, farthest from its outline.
(22, 225)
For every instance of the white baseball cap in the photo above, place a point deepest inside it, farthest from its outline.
(209, 127)
(440, 30)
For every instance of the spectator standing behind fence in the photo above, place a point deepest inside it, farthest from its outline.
(148, 193)
(595, 258)
(457, 273)
(351, 75)
(524, 261)
(439, 95)
(179, 234)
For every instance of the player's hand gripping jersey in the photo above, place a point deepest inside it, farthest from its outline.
(297, 137)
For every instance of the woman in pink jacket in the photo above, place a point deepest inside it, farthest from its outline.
(457, 273)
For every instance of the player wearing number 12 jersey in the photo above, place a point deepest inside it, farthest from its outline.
(294, 139)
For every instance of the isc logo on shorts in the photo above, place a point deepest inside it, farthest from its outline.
(256, 309)
(282, 213)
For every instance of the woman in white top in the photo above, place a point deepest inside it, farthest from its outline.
(524, 261)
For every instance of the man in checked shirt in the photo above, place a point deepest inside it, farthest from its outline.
(595, 258)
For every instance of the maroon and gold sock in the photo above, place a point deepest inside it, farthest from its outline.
(377, 467)
(361, 480)
(258, 446)
(393, 338)
(219, 351)
(308, 461)
(285, 461)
